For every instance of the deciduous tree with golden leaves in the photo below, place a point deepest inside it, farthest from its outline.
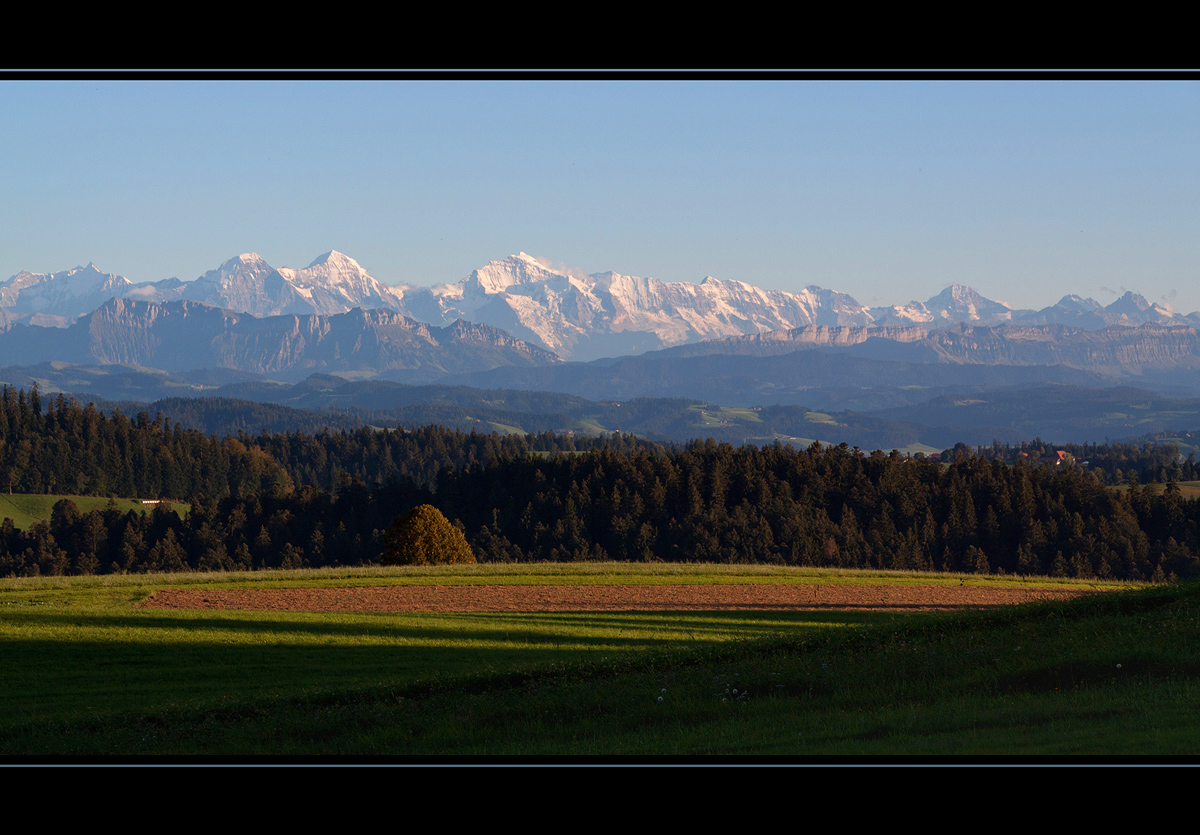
(423, 536)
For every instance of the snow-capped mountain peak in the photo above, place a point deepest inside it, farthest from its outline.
(607, 314)
(563, 310)
(514, 271)
(1077, 305)
(330, 270)
(962, 297)
(245, 268)
(332, 283)
(336, 261)
(67, 293)
(956, 304)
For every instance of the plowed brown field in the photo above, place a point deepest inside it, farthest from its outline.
(589, 598)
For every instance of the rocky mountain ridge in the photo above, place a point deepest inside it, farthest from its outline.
(1113, 351)
(185, 335)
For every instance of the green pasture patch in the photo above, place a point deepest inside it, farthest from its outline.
(27, 509)
(751, 415)
(1187, 489)
(707, 418)
(723, 415)
(1186, 445)
(797, 442)
(505, 429)
(22, 520)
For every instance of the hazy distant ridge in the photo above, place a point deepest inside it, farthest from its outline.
(184, 335)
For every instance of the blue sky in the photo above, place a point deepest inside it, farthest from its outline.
(887, 190)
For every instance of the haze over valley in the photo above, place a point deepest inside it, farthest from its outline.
(697, 350)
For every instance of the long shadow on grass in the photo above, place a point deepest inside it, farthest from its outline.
(638, 629)
(62, 691)
(56, 681)
(100, 664)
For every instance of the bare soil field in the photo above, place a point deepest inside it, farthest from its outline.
(607, 598)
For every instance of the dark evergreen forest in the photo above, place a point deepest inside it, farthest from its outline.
(292, 499)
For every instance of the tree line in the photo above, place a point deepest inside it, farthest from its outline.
(297, 499)
(63, 447)
(824, 506)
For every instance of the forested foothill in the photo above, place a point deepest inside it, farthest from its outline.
(877, 413)
(293, 499)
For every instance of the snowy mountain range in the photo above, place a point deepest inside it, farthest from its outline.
(578, 317)
(609, 314)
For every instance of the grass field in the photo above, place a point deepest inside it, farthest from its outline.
(1187, 489)
(88, 673)
(27, 509)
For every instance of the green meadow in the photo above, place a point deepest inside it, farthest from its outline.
(87, 673)
(1187, 489)
(27, 509)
